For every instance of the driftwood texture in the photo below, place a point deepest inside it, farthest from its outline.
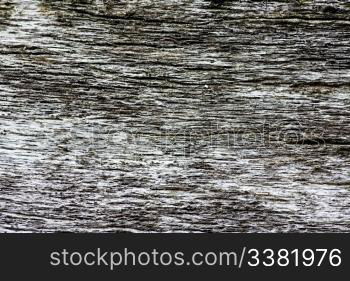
(174, 116)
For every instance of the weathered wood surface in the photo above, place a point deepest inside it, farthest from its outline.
(174, 116)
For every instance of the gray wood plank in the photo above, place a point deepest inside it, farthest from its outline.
(174, 116)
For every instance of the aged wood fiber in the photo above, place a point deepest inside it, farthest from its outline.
(174, 116)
